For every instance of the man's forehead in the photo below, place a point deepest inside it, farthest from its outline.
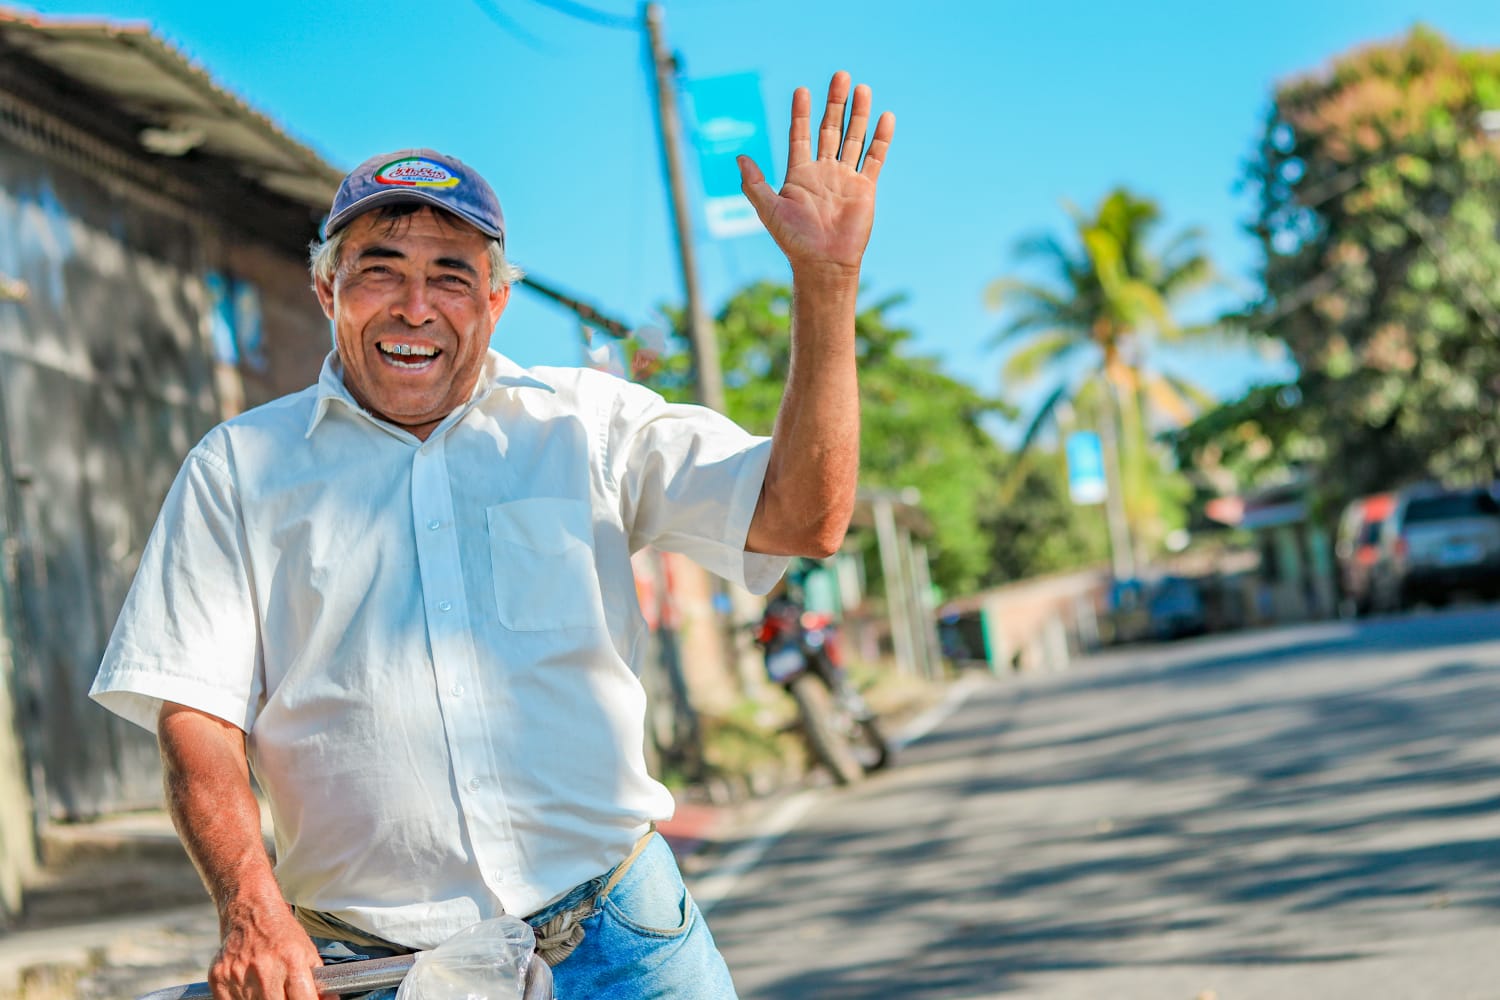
(413, 221)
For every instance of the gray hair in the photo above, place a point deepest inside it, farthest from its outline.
(323, 260)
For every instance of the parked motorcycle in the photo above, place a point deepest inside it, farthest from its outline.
(803, 655)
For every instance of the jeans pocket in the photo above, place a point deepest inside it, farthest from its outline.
(651, 898)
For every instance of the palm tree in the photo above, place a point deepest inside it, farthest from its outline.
(1091, 325)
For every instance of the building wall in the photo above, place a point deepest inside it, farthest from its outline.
(1023, 621)
(294, 337)
(105, 385)
(17, 833)
(125, 350)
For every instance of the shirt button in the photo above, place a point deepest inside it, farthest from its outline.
(434, 524)
(499, 876)
(445, 605)
(473, 784)
(458, 690)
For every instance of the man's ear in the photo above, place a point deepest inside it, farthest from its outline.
(499, 298)
(324, 288)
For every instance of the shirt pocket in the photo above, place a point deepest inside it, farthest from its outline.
(542, 561)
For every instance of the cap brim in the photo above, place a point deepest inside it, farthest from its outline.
(404, 194)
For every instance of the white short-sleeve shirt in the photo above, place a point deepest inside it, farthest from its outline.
(434, 646)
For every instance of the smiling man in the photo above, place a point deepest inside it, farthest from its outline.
(403, 598)
(411, 298)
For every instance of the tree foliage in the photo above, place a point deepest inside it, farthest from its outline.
(919, 427)
(1261, 438)
(1379, 209)
(1036, 528)
(1089, 327)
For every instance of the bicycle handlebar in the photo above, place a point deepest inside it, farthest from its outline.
(345, 977)
(370, 974)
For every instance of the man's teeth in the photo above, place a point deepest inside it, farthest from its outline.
(408, 349)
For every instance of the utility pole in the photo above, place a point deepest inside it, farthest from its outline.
(893, 568)
(707, 377)
(1122, 552)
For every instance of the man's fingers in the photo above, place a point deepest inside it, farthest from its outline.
(538, 980)
(750, 174)
(880, 143)
(859, 120)
(300, 984)
(836, 141)
(831, 132)
(753, 184)
(799, 145)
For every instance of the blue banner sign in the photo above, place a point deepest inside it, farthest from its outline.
(1086, 482)
(728, 120)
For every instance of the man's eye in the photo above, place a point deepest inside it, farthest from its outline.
(456, 280)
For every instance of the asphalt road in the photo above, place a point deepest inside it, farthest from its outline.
(1307, 812)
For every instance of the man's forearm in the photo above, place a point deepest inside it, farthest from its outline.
(264, 953)
(821, 219)
(808, 496)
(209, 796)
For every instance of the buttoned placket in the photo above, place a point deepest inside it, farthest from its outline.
(481, 792)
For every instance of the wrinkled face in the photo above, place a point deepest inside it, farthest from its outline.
(412, 314)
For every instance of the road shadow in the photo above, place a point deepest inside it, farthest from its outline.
(1225, 800)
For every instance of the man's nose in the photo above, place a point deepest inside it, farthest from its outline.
(412, 306)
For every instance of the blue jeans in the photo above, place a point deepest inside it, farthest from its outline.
(645, 941)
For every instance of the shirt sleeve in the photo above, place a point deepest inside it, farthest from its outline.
(188, 630)
(689, 480)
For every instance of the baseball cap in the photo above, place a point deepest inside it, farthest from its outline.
(422, 175)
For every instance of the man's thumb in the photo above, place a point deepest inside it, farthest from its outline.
(753, 184)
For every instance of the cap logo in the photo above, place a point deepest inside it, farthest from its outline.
(415, 171)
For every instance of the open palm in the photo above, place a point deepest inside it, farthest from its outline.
(823, 213)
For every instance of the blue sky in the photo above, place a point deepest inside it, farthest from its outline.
(1004, 110)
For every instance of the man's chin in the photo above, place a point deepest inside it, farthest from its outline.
(405, 413)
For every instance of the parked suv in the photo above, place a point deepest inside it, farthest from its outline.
(1438, 542)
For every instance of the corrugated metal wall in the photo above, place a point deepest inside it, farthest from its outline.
(105, 382)
(108, 375)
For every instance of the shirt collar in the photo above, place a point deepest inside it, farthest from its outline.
(498, 372)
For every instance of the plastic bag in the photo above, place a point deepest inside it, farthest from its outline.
(489, 960)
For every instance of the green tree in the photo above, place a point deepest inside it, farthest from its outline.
(1035, 528)
(1379, 208)
(918, 428)
(1090, 326)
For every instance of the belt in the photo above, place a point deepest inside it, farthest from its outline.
(561, 934)
(319, 924)
(556, 938)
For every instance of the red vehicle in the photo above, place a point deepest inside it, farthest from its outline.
(803, 655)
(1358, 550)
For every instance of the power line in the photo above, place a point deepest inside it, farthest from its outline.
(582, 12)
(508, 25)
(586, 313)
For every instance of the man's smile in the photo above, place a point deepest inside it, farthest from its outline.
(408, 357)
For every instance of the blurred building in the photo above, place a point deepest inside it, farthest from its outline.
(153, 237)
(1295, 579)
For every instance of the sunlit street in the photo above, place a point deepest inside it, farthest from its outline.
(1295, 813)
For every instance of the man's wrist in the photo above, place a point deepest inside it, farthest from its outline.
(251, 898)
(826, 275)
